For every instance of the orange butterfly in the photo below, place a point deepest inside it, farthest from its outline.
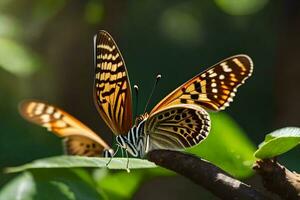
(79, 139)
(178, 121)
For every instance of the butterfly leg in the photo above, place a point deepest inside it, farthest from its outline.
(111, 156)
(122, 152)
(127, 164)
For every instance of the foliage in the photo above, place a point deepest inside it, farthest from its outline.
(65, 181)
(33, 37)
(64, 184)
(19, 188)
(278, 142)
(227, 147)
(80, 161)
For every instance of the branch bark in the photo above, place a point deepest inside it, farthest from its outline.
(278, 179)
(205, 174)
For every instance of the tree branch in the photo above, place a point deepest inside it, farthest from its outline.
(205, 174)
(278, 179)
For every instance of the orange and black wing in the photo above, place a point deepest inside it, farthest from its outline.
(177, 127)
(112, 91)
(79, 139)
(214, 88)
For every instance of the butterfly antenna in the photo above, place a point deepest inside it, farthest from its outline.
(158, 77)
(136, 89)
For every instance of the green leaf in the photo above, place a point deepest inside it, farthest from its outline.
(114, 183)
(228, 147)
(119, 185)
(78, 183)
(64, 184)
(21, 187)
(278, 142)
(80, 161)
(59, 184)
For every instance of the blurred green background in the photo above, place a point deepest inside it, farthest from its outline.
(46, 53)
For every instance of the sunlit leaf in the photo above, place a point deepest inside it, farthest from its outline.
(64, 184)
(278, 142)
(16, 58)
(22, 187)
(113, 183)
(241, 7)
(120, 185)
(80, 161)
(227, 146)
(58, 184)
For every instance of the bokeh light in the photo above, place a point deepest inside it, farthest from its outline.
(9, 26)
(241, 7)
(16, 59)
(181, 26)
(94, 12)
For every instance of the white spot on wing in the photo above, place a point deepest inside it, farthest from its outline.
(213, 75)
(225, 67)
(50, 110)
(57, 115)
(45, 118)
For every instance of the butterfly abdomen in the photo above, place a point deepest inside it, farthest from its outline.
(134, 141)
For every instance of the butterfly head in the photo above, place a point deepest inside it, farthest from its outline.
(141, 118)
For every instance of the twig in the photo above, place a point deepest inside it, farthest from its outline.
(278, 179)
(205, 174)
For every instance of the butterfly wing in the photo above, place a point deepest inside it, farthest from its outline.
(177, 127)
(112, 91)
(79, 139)
(214, 88)
(83, 146)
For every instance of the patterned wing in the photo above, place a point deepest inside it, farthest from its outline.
(79, 139)
(112, 92)
(83, 146)
(214, 88)
(177, 127)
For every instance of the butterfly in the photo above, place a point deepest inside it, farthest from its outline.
(178, 121)
(78, 138)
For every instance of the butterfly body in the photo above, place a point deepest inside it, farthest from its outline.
(176, 127)
(135, 141)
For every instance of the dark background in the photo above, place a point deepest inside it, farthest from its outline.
(46, 53)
